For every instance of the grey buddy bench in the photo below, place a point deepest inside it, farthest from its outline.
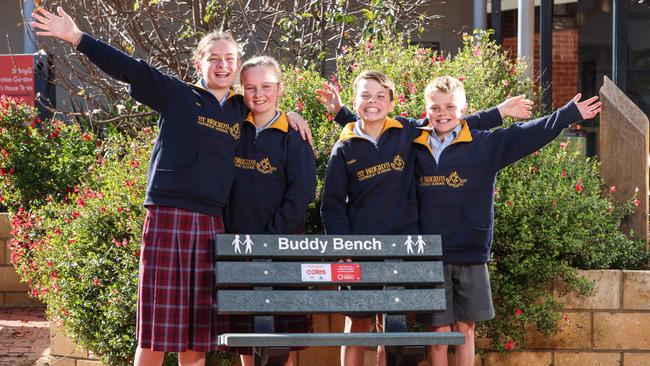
(267, 275)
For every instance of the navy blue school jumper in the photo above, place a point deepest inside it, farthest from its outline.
(188, 184)
(456, 195)
(275, 182)
(371, 189)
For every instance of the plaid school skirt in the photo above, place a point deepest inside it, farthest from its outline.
(301, 323)
(176, 296)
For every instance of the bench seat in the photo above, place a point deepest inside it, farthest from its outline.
(339, 339)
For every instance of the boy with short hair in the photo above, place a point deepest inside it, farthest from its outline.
(456, 169)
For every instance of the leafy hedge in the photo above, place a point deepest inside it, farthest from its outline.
(76, 204)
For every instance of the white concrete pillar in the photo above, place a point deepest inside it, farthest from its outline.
(526, 33)
(480, 14)
(28, 35)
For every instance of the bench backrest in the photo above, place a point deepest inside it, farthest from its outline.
(286, 269)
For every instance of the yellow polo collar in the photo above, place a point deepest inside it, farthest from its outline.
(348, 130)
(282, 123)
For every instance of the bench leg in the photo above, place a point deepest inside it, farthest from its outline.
(404, 355)
(401, 355)
(264, 356)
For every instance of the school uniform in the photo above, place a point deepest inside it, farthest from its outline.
(275, 182)
(188, 184)
(455, 191)
(370, 186)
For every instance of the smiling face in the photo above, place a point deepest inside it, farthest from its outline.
(218, 65)
(262, 89)
(372, 101)
(445, 110)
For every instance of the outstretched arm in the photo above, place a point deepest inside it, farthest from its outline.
(515, 142)
(516, 107)
(148, 85)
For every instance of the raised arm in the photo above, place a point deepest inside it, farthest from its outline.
(301, 180)
(334, 212)
(508, 145)
(147, 85)
(516, 107)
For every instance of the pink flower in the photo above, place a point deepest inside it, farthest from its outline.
(533, 169)
(579, 187)
(505, 83)
(86, 137)
(508, 346)
(81, 202)
(329, 116)
(518, 312)
(637, 202)
(536, 153)
(476, 52)
(411, 87)
(404, 114)
(55, 134)
(96, 281)
(563, 173)
(612, 189)
(461, 78)
(354, 66)
(563, 145)
(300, 106)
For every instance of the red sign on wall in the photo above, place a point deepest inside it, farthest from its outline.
(17, 77)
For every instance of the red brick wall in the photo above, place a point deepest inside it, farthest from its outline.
(565, 63)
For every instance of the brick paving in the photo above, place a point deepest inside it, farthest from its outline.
(24, 337)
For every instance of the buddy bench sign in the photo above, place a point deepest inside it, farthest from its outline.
(327, 247)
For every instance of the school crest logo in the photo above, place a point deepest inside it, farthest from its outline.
(454, 180)
(265, 167)
(234, 131)
(398, 163)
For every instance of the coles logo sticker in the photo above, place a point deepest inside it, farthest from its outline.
(334, 272)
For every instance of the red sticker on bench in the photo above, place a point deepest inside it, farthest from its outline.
(346, 272)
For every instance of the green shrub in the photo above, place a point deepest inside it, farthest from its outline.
(39, 161)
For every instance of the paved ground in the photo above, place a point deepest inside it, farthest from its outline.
(24, 337)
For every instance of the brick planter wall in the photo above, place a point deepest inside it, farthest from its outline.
(12, 292)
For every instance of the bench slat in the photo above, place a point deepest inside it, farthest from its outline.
(327, 246)
(340, 339)
(295, 273)
(328, 301)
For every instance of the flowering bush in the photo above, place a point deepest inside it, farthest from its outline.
(80, 254)
(39, 161)
(551, 213)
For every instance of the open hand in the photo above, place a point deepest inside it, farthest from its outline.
(51, 25)
(299, 124)
(516, 107)
(588, 108)
(330, 98)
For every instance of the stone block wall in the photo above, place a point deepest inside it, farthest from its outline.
(610, 328)
(12, 292)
